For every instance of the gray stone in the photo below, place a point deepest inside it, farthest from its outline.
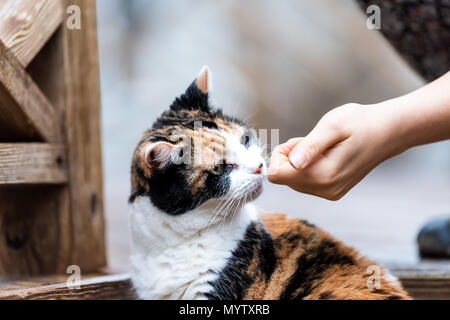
(434, 239)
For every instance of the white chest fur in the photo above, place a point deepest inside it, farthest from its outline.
(174, 257)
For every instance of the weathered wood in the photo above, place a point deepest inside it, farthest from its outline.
(430, 287)
(25, 112)
(422, 268)
(26, 25)
(47, 71)
(34, 230)
(38, 218)
(119, 287)
(116, 287)
(81, 68)
(33, 163)
(426, 279)
(51, 201)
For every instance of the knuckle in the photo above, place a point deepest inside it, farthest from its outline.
(276, 150)
(333, 120)
(334, 124)
(349, 107)
(291, 140)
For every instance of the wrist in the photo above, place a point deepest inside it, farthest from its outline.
(392, 127)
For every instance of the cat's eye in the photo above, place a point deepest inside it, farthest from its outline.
(247, 138)
(230, 166)
(246, 141)
(219, 169)
(215, 171)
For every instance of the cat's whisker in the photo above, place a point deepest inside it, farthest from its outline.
(233, 219)
(215, 212)
(225, 212)
(229, 206)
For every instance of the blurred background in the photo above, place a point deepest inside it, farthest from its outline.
(280, 65)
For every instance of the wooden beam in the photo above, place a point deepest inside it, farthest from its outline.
(26, 25)
(25, 112)
(81, 68)
(33, 163)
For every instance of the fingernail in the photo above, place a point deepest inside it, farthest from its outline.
(298, 160)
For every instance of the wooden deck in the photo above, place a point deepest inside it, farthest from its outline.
(426, 281)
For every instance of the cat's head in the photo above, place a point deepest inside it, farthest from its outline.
(194, 154)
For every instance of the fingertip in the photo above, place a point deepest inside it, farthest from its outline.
(272, 178)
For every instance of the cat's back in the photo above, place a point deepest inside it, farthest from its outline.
(310, 264)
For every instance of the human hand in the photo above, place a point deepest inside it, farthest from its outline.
(346, 144)
(351, 140)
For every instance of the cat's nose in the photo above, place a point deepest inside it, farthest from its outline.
(259, 169)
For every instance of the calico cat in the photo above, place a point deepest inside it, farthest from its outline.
(196, 235)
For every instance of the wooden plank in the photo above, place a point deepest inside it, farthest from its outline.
(81, 68)
(25, 112)
(115, 287)
(429, 287)
(35, 230)
(33, 163)
(422, 268)
(26, 25)
(426, 279)
(119, 287)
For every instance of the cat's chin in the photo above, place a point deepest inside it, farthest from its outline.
(255, 191)
(258, 190)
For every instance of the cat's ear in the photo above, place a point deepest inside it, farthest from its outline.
(196, 95)
(204, 80)
(159, 154)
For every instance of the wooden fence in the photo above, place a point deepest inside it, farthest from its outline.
(51, 201)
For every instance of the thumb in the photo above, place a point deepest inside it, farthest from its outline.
(320, 139)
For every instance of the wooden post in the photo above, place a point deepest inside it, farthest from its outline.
(83, 136)
(51, 199)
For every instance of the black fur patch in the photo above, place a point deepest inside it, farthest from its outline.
(193, 99)
(134, 195)
(266, 251)
(310, 267)
(169, 189)
(326, 295)
(234, 279)
(308, 224)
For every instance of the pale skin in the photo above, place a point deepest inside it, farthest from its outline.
(351, 140)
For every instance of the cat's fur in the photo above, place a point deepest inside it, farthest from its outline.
(196, 235)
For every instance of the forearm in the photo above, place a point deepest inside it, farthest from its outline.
(420, 117)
